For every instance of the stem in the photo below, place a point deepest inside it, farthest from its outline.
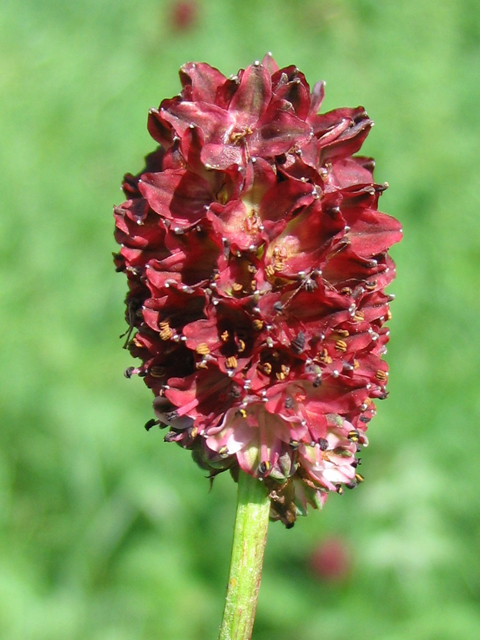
(249, 539)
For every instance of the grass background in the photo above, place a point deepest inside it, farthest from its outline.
(107, 533)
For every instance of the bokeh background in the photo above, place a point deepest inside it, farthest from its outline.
(107, 533)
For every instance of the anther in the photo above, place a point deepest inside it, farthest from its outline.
(231, 362)
(264, 467)
(157, 371)
(151, 423)
(323, 444)
(202, 349)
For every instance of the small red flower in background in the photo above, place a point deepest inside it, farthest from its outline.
(331, 560)
(183, 14)
(257, 261)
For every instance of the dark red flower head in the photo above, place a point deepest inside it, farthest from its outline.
(257, 261)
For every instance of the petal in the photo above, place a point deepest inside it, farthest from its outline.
(294, 90)
(201, 80)
(371, 232)
(346, 172)
(222, 156)
(202, 332)
(237, 224)
(269, 63)
(318, 94)
(252, 96)
(278, 131)
(303, 243)
(335, 138)
(177, 195)
(212, 120)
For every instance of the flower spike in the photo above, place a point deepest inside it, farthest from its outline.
(256, 261)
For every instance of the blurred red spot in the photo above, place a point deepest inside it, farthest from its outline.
(184, 15)
(331, 560)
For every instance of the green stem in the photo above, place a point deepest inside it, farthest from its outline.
(249, 539)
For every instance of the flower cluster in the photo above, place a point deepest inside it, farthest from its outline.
(257, 261)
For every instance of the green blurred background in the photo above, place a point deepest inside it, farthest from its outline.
(107, 533)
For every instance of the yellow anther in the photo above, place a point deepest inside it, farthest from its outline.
(165, 331)
(324, 357)
(231, 362)
(267, 368)
(202, 349)
(270, 271)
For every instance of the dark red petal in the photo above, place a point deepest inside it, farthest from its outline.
(222, 156)
(236, 224)
(212, 120)
(145, 232)
(280, 202)
(318, 93)
(336, 395)
(304, 241)
(371, 232)
(293, 88)
(202, 396)
(346, 172)
(158, 127)
(226, 92)
(278, 131)
(343, 267)
(202, 332)
(202, 80)
(270, 64)
(260, 175)
(176, 195)
(252, 96)
(285, 197)
(338, 139)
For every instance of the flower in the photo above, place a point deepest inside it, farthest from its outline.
(331, 560)
(183, 14)
(256, 261)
